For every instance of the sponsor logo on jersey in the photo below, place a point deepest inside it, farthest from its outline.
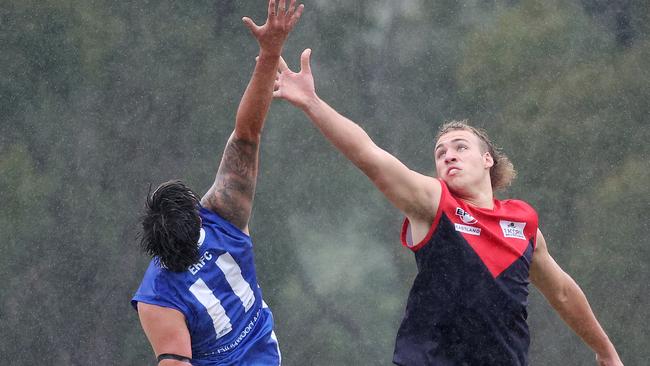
(513, 229)
(242, 335)
(467, 229)
(465, 216)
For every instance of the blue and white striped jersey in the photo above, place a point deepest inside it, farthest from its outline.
(218, 295)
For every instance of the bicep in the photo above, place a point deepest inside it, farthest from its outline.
(415, 194)
(231, 195)
(545, 273)
(166, 329)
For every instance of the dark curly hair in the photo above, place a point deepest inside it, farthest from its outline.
(171, 226)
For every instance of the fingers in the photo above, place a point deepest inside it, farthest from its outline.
(292, 8)
(304, 61)
(250, 24)
(284, 11)
(282, 65)
(288, 15)
(297, 14)
(282, 8)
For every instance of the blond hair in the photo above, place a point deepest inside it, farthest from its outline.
(502, 173)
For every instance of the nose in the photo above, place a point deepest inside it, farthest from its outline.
(450, 157)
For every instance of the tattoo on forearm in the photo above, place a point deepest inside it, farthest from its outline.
(232, 197)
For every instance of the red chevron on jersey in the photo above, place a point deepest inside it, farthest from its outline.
(499, 236)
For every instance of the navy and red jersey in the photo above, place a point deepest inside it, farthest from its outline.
(468, 302)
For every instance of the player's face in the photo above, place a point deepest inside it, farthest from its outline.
(460, 160)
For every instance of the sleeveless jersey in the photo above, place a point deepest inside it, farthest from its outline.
(468, 302)
(219, 296)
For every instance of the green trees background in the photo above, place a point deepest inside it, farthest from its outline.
(101, 99)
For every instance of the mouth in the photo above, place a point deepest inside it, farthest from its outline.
(453, 170)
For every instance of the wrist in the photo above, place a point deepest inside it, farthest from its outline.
(311, 104)
(270, 53)
(608, 353)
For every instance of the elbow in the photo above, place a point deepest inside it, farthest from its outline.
(562, 295)
(560, 298)
(247, 134)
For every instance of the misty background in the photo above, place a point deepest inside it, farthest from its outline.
(101, 99)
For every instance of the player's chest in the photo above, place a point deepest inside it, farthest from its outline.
(498, 238)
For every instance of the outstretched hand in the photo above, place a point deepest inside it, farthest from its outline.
(296, 88)
(279, 23)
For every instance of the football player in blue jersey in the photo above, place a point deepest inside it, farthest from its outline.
(475, 254)
(199, 302)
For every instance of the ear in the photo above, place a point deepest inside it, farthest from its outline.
(488, 161)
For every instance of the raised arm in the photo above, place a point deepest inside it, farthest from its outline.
(231, 194)
(566, 297)
(416, 195)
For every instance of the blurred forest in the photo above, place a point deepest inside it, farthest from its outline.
(101, 99)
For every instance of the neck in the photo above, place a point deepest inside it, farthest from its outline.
(481, 196)
(483, 201)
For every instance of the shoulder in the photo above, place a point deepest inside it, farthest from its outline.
(215, 221)
(154, 274)
(516, 205)
(442, 195)
(158, 281)
(160, 287)
(514, 202)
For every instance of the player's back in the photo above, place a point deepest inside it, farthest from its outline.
(218, 295)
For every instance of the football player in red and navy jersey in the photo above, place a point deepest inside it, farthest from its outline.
(199, 302)
(475, 254)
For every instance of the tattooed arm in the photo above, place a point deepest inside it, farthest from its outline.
(231, 195)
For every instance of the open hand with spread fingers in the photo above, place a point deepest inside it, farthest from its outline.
(279, 22)
(296, 88)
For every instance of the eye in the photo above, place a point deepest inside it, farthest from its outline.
(461, 147)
